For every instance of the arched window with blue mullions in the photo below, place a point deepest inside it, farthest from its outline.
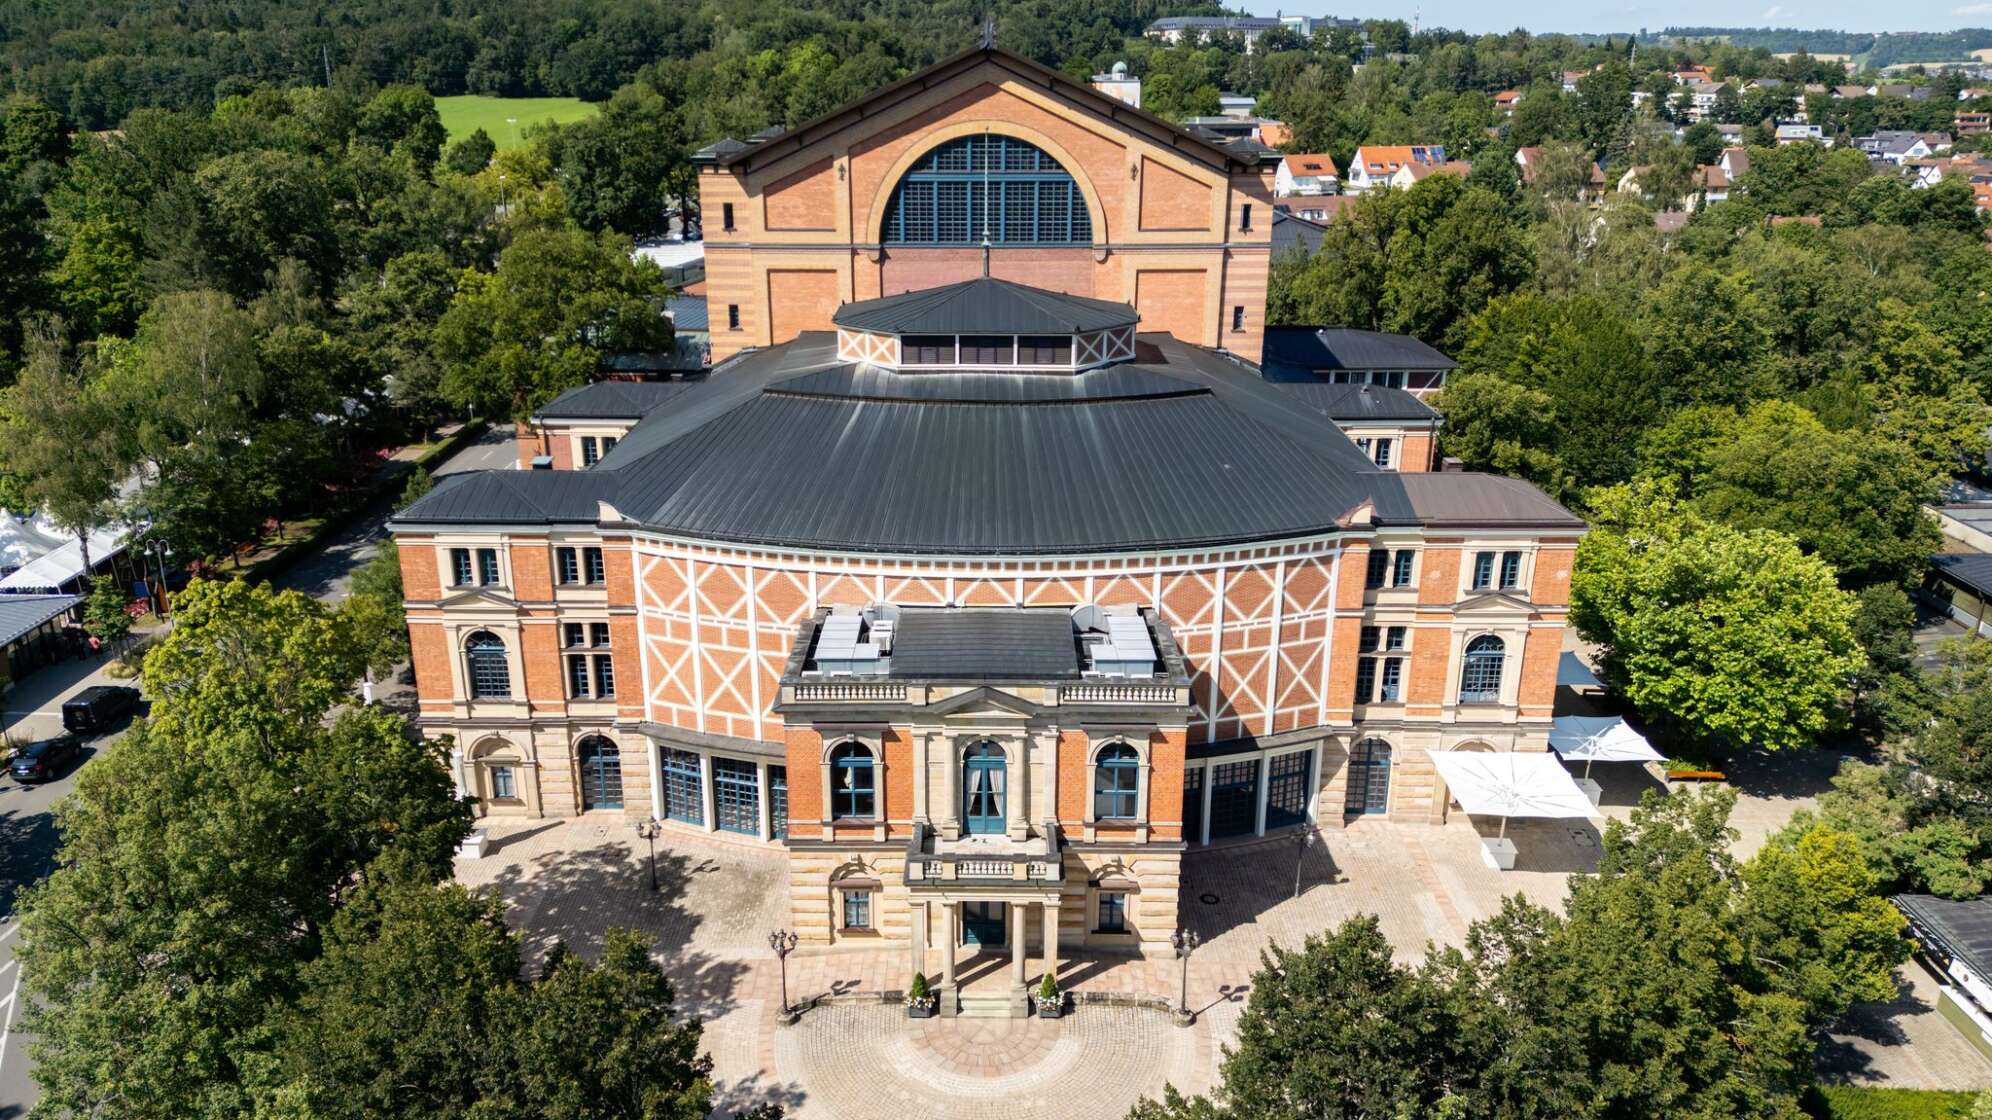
(1480, 679)
(990, 186)
(1116, 783)
(490, 676)
(853, 783)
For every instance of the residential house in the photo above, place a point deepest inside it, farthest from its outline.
(1704, 102)
(1199, 29)
(1938, 142)
(1794, 132)
(1237, 106)
(1893, 146)
(1972, 123)
(1301, 233)
(1345, 356)
(1412, 173)
(1844, 92)
(1571, 78)
(1714, 182)
(1375, 164)
(1692, 76)
(1306, 176)
(1506, 100)
(1120, 85)
(1528, 159)
(1973, 93)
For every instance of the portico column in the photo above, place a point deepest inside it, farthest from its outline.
(920, 914)
(950, 914)
(1016, 782)
(1019, 914)
(1051, 941)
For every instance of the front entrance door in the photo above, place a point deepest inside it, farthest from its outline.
(601, 774)
(982, 924)
(982, 783)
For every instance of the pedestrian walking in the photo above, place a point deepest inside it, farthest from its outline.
(96, 647)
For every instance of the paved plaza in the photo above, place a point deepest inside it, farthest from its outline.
(851, 1057)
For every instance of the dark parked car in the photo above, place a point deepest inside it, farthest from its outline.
(98, 708)
(45, 758)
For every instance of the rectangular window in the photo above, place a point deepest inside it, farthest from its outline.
(1400, 567)
(733, 316)
(487, 565)
(726, 216)
(857, 909)
(927, 350)
(1393, 679)
(501, 784)
(1367, 642)
(571, 634)
(598, 634)
(1394, 638)
(1381, 452)
(1511, 570)
(1483, 571)
(1113, 912)
(590, 451)
(460, 573)
(577, 677)
(608, 444)
(1365, 679)
(1363, 445)
(591, 559)
(1044, 350)
(1245, 217)
(1393, 378)
(605, 677)
(568, 563)
(1379, 566)
(988, 350)
(1238, 318)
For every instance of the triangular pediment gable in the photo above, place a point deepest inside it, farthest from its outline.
(1001, 65)
(985, 701)
(1488, 604)
(473, 597)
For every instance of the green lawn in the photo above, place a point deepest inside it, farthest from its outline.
(497, 115)
(1844, 1102)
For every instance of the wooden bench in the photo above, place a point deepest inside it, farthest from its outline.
(1696, 776)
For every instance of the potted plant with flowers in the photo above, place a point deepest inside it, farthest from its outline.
(921, 1002)
(1049, 1001)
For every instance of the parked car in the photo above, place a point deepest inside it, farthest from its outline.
(44, 758)
(98, 708)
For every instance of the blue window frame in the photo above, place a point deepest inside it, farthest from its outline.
(984, 773)
(1400, 572)
(490, 677)
(1480, 680)
(1116, 783)
(736, 796)
(853, 783)
(857, 909)
(487, 565)
(1369, 778)
(683, 797)
(601, 773)
(987, 185)
(460, 574)
(570, 565)
(1287, 785)
(1378, 567)
(1113, 912)
(597, 573)
(1483, 571)
(1511, 570)
(778, 801)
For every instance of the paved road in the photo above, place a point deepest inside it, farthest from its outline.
(33, 708)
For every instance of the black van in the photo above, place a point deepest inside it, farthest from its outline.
(97, 709)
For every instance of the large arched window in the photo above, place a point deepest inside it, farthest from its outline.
(1480, 680)
(853, 783)
(1116, 783)
(987, 186)
(484, 656)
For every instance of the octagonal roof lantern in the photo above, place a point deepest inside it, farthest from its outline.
(986, 323)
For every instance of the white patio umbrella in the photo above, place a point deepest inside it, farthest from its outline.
(1599, 739)
(1512, 784)
(1571, 672)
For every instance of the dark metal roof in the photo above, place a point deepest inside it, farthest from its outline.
(688, 313)
(1462, 498)
(1350, 402)
(20, 614)
(1957, 928)
(939, 643)
(1182, 447)
(1345, 348)
(1969, 570)
(1290, 232)
(612, 400)
(983, 306)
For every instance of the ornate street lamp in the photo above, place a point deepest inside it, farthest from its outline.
(650, 830)
(1185, 942)
(783, 943)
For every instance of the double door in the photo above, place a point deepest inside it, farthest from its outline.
(984, 924)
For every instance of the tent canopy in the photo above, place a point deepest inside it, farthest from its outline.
(1511, 784)
(50, 570)
(1571, 672)
(1599, 739)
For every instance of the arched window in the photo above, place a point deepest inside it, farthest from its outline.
(853, 783)
(1480, 680)
(601, 773)
(1116, 783)
(993, 186)
(984, 783)
(1369, 778)
(490, 677)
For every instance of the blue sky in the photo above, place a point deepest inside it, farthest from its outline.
(1630, 15)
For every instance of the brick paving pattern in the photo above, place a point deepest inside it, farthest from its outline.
(571, 880)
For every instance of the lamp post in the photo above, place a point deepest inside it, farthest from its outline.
(649, 831)
(783, 943)
(1185, 942)
(156, 548)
